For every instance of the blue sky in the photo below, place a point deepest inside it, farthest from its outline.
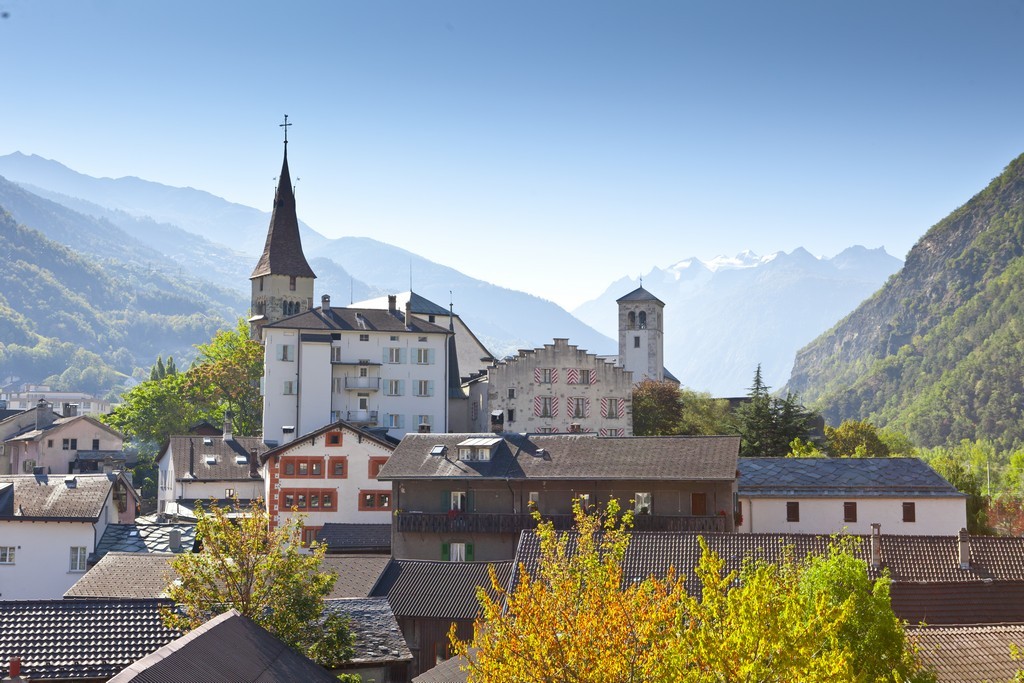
(550, 146)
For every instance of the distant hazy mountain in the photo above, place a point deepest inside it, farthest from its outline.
(937, 352)
(188, 226)
(724, 316)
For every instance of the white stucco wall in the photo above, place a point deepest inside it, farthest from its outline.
(934, 516)
(41, 569)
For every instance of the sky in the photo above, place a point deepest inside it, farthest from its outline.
(550, 146)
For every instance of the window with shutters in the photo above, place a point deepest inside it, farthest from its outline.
(849, 511)
(285, 352)
(424, 387)
(394, 421)
(424, 356)
(457, 552)
(393, 387)
(545, 375)
(545, 406)
(584, 376)
(394, 355)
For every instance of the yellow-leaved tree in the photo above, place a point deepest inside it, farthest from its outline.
(574, 619)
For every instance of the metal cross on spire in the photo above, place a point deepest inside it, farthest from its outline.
(285, 126)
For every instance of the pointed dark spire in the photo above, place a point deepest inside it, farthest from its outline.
(282, 254)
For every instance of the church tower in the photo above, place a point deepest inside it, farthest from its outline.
(282, 282)
(642, 335)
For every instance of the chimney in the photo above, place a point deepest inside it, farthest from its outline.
(71, 481)
(408, 313)
(174, 540)
(254, 472)
(423, 429)
(325, 304)
(14, 672)
(965, 549)
(228, 436)
(70, 410)
(876, 545)
(44, 414)
(287, 434)
(108, 464)
(392, 303)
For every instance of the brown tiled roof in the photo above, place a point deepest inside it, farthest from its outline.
(126, 575)
(436, 590)
(33, 434)
(229, 647)
(356, 319)
(357, 574)
(227, 465)
(282, 253)
(79, 639)
(46, 496)
(972, 654)
(569, 456)
(976, 602)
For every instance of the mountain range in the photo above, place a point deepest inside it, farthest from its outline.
(938, 351)
(725, 316)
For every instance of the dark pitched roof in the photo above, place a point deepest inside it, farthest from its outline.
(79, 638)
(975, 602)
(821, 477)
(569, 456)
(437, 590)
(639, 294)
(357, 574)
(378, 639)
(126, 576)
(355, 537)
(448, 671)
(356, 319)
(229, 647)
(78, 497)
(282, 253)
(970, 653)
(231, 457)
(333, 427)
(144, 538)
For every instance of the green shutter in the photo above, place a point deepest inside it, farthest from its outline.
(469, 552)
(470, 502)
(446, 554)
(446, 500)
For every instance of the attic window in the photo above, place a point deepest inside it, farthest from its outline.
(241, 460)
(211, 460)
(207, 441)
(439, 450)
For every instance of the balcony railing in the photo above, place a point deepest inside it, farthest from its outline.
(362, 416)
(364, 383)
(506, 523)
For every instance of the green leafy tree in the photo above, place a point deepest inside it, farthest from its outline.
(798, 448)
(266, 575)
(767, 425)
(703, 415)
(151, 411)
(657, 408)
(855, 439)
(964, 480)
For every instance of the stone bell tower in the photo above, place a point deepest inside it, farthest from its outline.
(642, 335)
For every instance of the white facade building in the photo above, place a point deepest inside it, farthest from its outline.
(554, 389)
(847, 495)
(49, 525)
(330, 477)
(368, 367)
(40, 438)
(67, 403)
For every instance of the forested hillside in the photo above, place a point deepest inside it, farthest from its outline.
(83, 323)
(938, 352)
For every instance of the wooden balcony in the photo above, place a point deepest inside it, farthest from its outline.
(505, 523)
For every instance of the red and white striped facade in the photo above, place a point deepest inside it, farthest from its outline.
(557, 389)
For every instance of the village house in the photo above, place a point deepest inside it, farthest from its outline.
(464, 497)
(195, 468)
(49, 526)
(26, 396)
(329, 476)
(39, 437)
(833, 495)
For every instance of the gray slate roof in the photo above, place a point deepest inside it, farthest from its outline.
(366, 538)
(843, 477)
(229, 647)
(79, 638)
(569, 456)
(49, 497)
(356, 319)
(639, 294)
(448, 671)
(357, 574)
(378, 639)
(437, 590)
(969, 653)
(144, 538)
(125, 576)
(227, 453)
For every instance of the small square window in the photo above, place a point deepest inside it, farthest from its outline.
(316, 468)
(289, 468)
(849, 512)
(793, 511)
(289, 500)
(909, 512)
(229, 493)
(303, 469)
(364, 337)
(334, 438)
(338, 467)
